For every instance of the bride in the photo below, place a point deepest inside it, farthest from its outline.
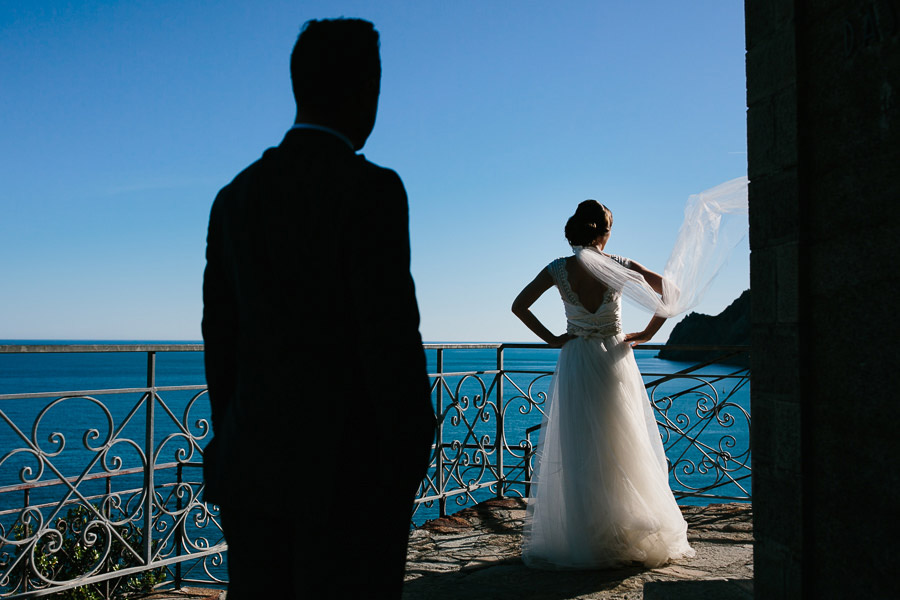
(601, 495)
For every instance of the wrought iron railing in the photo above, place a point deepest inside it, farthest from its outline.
(489, 419)
(114, 474)
(102, 487)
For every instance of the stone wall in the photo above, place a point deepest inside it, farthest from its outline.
(823, 79)
(774, 273)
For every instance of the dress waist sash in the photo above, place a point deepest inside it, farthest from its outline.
(605, 330)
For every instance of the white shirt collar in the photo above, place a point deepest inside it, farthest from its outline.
(340, 135)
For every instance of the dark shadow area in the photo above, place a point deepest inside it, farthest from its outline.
(728, 589)
(513, 580)
(823, 149)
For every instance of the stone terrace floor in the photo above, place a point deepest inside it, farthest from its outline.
(476, 553)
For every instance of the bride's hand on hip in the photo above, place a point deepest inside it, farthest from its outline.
(633, 339)
(560, 340)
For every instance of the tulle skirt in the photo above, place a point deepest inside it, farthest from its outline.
(601, 495)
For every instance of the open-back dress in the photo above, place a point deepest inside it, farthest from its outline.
(601, 493)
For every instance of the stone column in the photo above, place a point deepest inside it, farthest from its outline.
(823, 148)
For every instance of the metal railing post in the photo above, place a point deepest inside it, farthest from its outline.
(439, 440)
(106, 500)
(499, 442)
(149, 483)
(527, 459)
(179, 535)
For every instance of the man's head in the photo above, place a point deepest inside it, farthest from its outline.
(336, 75)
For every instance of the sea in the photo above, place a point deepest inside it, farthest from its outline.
(63, 429)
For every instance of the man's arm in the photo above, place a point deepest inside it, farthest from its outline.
(383, 278)
(390, 323)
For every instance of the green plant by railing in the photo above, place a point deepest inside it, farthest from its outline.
(81, 545)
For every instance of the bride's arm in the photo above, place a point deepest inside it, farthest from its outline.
(651, 277)
(655, 280)
(521, 307)
(641, 337)
(662, 286)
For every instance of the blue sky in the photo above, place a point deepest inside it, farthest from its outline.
(121, 120)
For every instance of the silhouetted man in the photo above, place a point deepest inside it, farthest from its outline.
(321, 407)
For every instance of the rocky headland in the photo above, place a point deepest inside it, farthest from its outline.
(731, 327)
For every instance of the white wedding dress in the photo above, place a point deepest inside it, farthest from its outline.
(600, 496)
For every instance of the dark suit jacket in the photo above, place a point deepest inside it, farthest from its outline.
(314, 360)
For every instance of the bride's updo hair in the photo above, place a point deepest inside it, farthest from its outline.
(590, 221)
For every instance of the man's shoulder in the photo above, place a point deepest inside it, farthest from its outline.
(247, 174)
(376, 173)
(352, 169)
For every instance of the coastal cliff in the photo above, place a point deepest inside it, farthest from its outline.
(731, 327)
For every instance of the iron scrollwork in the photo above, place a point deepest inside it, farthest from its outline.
(85, 514)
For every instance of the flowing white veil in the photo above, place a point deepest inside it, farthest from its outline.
(715, 221)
